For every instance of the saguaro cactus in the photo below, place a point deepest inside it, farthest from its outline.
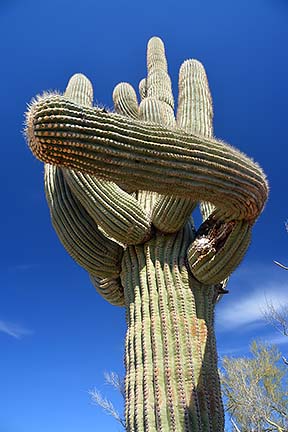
(121, 188)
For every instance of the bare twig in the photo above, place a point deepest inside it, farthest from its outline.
(234, 425)
(113, 379)
(107, 405)
(280, 265)
(277, 317)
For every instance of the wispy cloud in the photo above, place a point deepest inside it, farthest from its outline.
(248, 310)
(13, 329)
(277, 340)
(232, 351)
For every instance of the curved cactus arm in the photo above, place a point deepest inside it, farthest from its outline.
(77, 231)
(115, 212)
(148, 156)
(110, 289)
(218, 249)
(81, 238)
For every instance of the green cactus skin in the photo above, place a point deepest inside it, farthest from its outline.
(171, 382)
(152, 169)
(80, 236)
(146, 156)
(170, 213)
(117, 214)
(76, 229)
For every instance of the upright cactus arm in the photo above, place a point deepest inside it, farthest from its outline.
(125, 100)
(148, 156)
(194, 115)
(158, 82)
(170, 213)
(195, 109)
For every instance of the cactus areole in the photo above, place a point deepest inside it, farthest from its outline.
(121, 187)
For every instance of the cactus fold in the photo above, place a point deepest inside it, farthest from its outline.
(121, 187)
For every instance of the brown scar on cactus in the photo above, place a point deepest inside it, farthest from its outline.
(212, 235)
(121, 187)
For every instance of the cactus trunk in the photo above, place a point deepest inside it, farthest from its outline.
(171, 380)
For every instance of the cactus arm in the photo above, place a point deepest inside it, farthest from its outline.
(79, 234)
(158, 81)
(110, 289)
(195, 109)
(146, 156)
(218, 249)
(76, 229)
(143, 88)
(125, 100)
(171, 160)
(212, 257)
(206, 208)
(169, 213)
(74, 226)
(115, 212)
(80, 90)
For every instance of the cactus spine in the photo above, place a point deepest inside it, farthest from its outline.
(121, 188)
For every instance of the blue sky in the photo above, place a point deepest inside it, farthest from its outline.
(57, 336)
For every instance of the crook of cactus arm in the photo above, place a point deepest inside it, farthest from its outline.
(145, 155)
